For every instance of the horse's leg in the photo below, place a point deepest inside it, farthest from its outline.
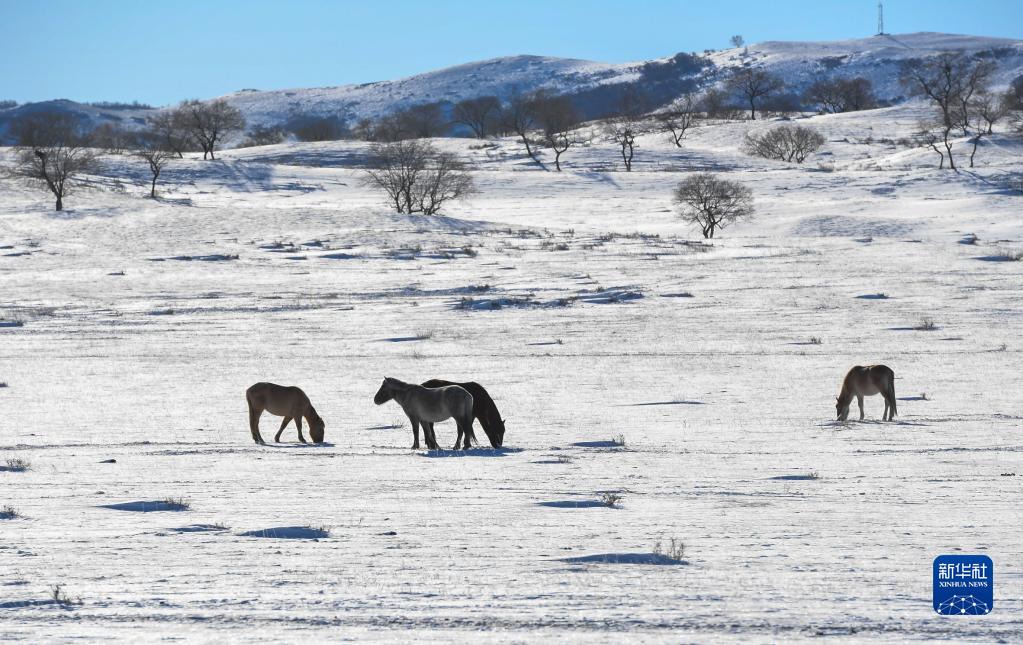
(859, 399)
(298, 424)
(284, 425)
(429, 436)
(458, 439)
(254, 414)
(415, 433)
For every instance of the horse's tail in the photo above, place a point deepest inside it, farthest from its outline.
(891, 390)
(468, 421)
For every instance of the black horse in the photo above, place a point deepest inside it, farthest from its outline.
(483, 408)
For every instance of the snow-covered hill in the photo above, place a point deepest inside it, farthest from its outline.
(799, 63)
(499, 76)
(877, 58)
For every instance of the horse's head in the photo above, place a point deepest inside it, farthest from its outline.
(841, 409)
(384, 394)
(316, 426)
(496, 432)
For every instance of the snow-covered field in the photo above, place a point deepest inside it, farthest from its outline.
(142, 323)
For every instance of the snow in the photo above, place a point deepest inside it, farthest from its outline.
(143, 322)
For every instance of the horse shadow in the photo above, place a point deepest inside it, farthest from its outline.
(471, 452)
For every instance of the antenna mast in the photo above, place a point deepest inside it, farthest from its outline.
(880, 18)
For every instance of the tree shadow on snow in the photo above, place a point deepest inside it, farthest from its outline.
(573, 504)
(289, 533)
(147, 506)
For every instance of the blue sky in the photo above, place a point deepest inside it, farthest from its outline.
(163, 51)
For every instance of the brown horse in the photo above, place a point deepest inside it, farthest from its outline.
(288, 402)
(867, 381)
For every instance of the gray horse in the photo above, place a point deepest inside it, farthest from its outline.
(428, 406)
(867, 381)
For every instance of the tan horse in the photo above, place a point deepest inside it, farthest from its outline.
(288, 402)
(867, 381)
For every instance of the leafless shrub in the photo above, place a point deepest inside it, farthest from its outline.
(60, 596)
(417, 178)
(785, 143)
(673, 549)
(8, 512)
(16, 465)
(610, 499)
(712, 203)
(926, 324)
(176, 504)
(618, 440)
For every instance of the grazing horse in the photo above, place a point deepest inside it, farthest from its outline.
(428, 406)
(483, 408)
(288, 402)
(867, 381)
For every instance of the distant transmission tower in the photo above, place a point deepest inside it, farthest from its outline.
(880, 18)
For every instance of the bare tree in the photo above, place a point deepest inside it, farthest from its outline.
(209, 123)
(713, 203)
(678, 118)
(737, 41)
(985, 109)
(975, 80)
(151, 148)
(111, 138)
(446, 179)
(318, 128)
(832, 96)
(416, 177)
(478, 114)
(520, 117)
(785, 143)
(422, 121)
(170, 127)
(988, 109)
(753, 85)
(626, 124)
(53, 153)
(927, 135)
(264, 136)
(557, 118)
(949, 81)
(718, 104)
